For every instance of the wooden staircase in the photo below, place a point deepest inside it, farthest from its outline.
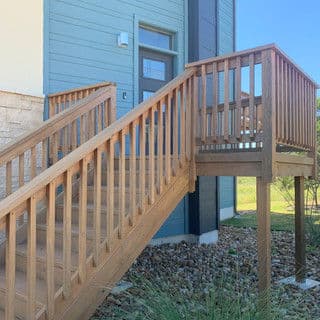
(93, 191)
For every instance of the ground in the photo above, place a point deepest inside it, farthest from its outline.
(192, 268)
(186, 272)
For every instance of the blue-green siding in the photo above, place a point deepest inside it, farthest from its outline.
(80, 48)
(226, 44)
(82, 42)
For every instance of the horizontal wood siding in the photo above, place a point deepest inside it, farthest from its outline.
(225, 43)
(226, 192)
(83, 46)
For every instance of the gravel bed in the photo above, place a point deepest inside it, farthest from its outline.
(192, 268)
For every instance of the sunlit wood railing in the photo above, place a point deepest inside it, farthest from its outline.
(164, 125)
(254, 99)
(31, 154)
(63, 100)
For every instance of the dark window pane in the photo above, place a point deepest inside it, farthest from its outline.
(154, 69)
(154, 38)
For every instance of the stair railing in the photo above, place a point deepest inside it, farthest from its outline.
(164, 126)
(26, 157)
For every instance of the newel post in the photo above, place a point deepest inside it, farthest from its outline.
(269, 113)
(264, 182)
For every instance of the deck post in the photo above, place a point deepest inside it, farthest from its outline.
(264, 245)
(300, 241)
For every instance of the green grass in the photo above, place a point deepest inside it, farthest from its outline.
(282, 214)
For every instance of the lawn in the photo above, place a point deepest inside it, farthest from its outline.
(282, 213)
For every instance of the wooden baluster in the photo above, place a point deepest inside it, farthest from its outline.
(290, 122)
(107, 106)
(133, 173)
(97, 207)
(50, 252)
(168, 140)
(82, 129)
(74, 135)
(142, 165)
(204, 103)
(175, 132)
(21, 183)
(286, 123)
(65, 130)
(278, 124)
(251, 97)
(226, 101)
(188, 121)
(300, 110)
(83, 219)
(282, 106)
(151, 156)
(296, 101)
(99, 118)
(31, 259)
(91, 123)
(21, 170)
(55, 148)
(9, 178)
(67, 214)
(299, 103)
(52, 105)
(110, 190)
(44, 160)
(33, 165)
(10, 265)
(160, 146)
(122, 182)
(182, 125)
(238, 99)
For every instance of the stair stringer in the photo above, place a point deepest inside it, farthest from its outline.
(88, 296)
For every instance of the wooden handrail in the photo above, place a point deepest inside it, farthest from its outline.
(65, 99)
(58, 135)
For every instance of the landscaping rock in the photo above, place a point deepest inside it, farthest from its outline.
(192, 268)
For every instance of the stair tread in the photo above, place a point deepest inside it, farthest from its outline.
(41, 253)
(74, 229)
(20, 284)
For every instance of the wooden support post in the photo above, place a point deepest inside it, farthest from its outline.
(300, 241)
(264, 244)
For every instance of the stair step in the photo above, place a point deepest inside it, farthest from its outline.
(20, 301)
(90, 212)
(104, 192)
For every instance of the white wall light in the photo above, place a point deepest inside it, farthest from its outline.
(123, 40)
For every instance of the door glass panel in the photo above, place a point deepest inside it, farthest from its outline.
(155, 39)
(146, 95)
(154, 69)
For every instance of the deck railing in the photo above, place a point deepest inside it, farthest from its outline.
(25, 158)
(254, 99)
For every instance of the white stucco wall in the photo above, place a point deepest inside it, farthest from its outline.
(21, 38)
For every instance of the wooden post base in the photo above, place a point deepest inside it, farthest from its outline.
(300, 241)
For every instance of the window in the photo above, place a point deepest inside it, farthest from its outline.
(155, 38)
(154, 69)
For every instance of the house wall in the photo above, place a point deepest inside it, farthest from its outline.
(18, 114)
(226, 44)
(21, 39)
(81, 42)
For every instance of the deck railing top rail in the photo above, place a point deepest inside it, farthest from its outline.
(91, 87)
(247, 52)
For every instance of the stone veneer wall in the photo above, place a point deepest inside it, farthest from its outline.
(18, 114)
